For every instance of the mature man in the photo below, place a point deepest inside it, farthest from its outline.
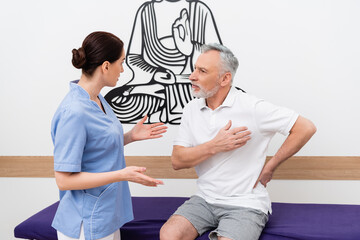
(224, 134)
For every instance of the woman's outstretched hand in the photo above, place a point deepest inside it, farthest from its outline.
(136, 175)
(143, 131)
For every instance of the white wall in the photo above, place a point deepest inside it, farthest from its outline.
(300, 54)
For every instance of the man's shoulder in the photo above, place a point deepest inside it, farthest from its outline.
(245, 98)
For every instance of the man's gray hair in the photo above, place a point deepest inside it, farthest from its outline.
(229, 62)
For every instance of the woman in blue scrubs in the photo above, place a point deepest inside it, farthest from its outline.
(89, 144)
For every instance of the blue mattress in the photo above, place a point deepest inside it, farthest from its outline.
(288, 221)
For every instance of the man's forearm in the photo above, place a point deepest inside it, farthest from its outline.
(226, 140)
(300, 134)
(187, 157)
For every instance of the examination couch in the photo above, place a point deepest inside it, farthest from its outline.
(288, 221)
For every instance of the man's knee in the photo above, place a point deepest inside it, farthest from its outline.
(176, 228)
(166, 232)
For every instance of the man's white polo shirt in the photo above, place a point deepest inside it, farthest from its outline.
(229, 177)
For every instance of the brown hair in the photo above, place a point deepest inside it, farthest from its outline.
(97, 48)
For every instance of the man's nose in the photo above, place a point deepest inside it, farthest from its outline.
(192, 76)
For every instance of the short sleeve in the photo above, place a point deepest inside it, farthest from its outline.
(69, 137)
(273, 119)
(184, 132)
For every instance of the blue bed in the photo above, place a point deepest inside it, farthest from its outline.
(288, 221)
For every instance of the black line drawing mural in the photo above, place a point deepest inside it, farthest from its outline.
(164, 45)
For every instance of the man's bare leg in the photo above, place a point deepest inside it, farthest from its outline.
(178, 228)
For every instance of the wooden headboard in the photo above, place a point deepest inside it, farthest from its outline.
(297, 167)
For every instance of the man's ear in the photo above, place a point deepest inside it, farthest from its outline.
(226, 79)
(105, 66)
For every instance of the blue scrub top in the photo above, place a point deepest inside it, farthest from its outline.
(88, 140)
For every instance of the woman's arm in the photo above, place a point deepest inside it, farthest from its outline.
(86, 180)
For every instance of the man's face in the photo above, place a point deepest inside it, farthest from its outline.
(205, 78)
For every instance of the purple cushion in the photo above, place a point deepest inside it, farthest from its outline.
(38, 226)
(313, 222)
(288, 221)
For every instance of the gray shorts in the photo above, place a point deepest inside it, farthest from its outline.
(227, 221)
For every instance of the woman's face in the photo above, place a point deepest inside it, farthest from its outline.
(115, 69)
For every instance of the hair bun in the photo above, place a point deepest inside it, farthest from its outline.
(79, 58)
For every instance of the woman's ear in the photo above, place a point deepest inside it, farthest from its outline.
(226, 79)
(105, 66)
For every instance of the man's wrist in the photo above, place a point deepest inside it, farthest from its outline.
(211, 147)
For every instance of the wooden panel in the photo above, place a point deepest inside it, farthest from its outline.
(26, 166)
(319, 168)
(159, 167)
(301, 168)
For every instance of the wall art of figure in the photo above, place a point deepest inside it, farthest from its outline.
(164, 45)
